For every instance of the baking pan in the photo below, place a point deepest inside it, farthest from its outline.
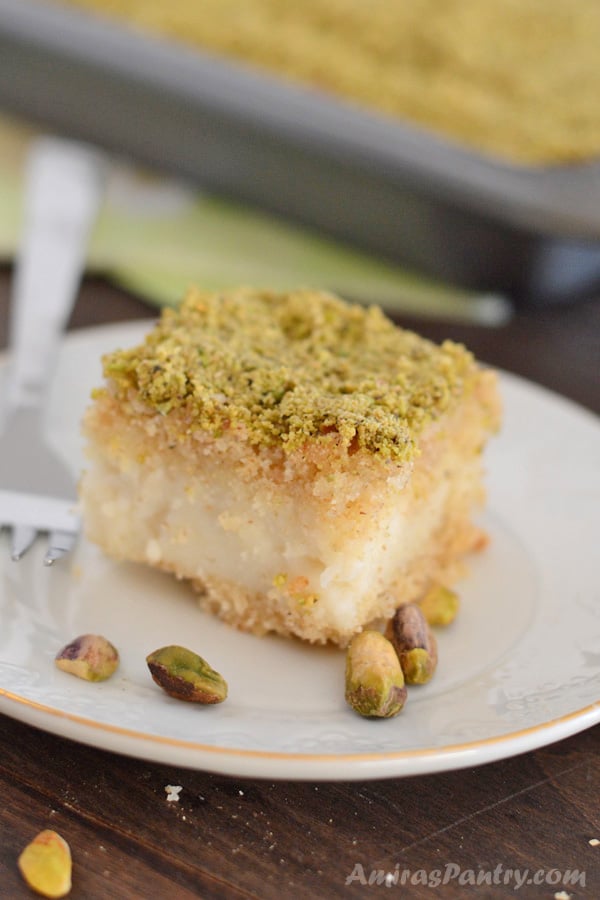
(532, 233)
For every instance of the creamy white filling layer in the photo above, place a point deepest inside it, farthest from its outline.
(218, 528)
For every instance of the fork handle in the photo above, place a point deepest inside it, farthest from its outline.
(63, 189)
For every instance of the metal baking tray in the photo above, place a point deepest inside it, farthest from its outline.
(532, 233)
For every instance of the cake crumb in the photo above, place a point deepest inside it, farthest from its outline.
(593, 842)
(173, 791)
(562, 895)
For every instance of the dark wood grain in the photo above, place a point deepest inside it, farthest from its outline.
(234, 837)
(230, 837)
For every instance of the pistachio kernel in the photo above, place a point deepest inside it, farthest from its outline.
(416, 665)
(89, 656)
(374, 680)
(414, 643)
(45, 864)
(186, 676)
(440, 605)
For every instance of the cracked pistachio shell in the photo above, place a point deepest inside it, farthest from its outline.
(374, 680)
(440, 605)
(89, 656)
(414, 643)
(45, 864)
(186, 676)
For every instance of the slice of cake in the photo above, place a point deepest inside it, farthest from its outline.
(305, 463)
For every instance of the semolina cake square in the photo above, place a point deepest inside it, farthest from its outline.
(304, 462)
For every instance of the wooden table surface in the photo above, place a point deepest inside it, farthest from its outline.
(230, 837)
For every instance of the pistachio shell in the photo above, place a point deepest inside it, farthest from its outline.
(45, 864)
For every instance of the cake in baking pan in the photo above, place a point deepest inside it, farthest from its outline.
(517, 79)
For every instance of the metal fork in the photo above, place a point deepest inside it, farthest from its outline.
(37, 491)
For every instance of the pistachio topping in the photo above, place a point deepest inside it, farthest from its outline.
(284, 369)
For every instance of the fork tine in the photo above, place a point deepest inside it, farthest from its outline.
(61, 542)
(23, 537)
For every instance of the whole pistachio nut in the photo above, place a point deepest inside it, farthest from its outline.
(414, 643)
(374, 680)
(186, 676)
(440, 605)
(45, 864)
(89, 656)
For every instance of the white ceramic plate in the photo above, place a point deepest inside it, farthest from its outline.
(519, 669)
